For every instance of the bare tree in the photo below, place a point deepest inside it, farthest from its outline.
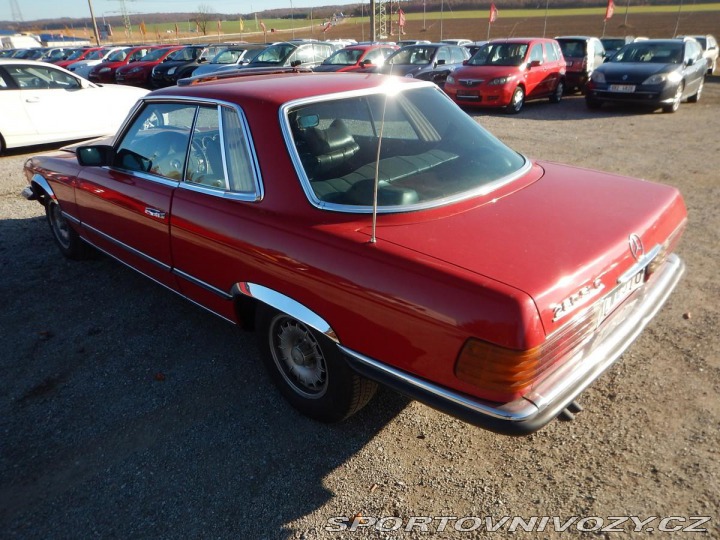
(202, 17)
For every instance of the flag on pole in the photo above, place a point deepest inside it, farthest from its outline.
(262, 25)
(143, 29)
(401, 18)
(242, 24)
(219, 26)
(177, 31)
(327, 26)
(494, 12)
(610, 9)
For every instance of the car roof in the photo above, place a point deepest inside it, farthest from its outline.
(279, 88)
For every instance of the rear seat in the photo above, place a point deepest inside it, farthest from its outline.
(391, 169)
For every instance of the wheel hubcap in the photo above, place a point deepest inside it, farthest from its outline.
(298, 356)
(60, 225)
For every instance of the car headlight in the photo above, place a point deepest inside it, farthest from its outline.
(501, 80)
(660, 78)
(172, 71)
(450, 79)
(597, 77)
(135, 70)
(104, 70)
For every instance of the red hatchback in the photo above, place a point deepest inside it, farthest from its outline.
(78, 55)
(507, 73)
(105, 71)
(370, 231)
(138, 73)
(356, 57)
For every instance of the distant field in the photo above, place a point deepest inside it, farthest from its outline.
(652, 21)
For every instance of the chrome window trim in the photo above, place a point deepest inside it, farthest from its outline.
(350, 209)
(258, 183)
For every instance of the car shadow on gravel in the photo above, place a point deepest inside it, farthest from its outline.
(129, 412)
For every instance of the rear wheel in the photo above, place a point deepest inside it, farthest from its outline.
(675, 105)
(517, 101)
(556, 96)
(308, 368)
(696, 96)
(69, 242)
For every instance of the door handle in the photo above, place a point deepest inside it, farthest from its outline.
(154, 212)
(33, 99)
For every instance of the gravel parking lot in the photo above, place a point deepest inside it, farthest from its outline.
(126, 412)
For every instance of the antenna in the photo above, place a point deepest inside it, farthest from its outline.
(376, 184)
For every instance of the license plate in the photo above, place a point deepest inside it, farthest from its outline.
(620, 293)
(625, 88)
(467, 95)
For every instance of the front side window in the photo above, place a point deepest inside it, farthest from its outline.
(200, 145)
(40, 77)
(536, 53)
(431, 151)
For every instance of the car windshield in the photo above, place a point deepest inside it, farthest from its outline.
(184, 55)
(76, 54)
(417, 55)
(666, 52)
(573, 48)
(96, 55)
(228, 56)
(500, 54)
(343, 57)
(155, 54)
(117, 56)
(612, 44)
(431, 152)
(275, 54)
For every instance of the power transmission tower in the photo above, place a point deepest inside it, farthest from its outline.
(126, 18)
(15, 10)
(382, 19)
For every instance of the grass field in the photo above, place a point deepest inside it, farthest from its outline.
(695, 18)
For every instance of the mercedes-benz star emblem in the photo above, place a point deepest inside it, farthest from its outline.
(636, 246)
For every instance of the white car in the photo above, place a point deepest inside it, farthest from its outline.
(83, 67)
(710, 50)
(43, 103)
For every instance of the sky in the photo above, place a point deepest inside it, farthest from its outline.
(32, 10)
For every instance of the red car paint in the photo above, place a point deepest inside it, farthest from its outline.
(138, 73)
(492, 267)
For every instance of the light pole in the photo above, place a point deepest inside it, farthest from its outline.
(94, 22)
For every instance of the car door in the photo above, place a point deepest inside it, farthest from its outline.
(53, 100)
(695, 67)
(536, 84)
(125, 208)
(16, 127)
(216, 214)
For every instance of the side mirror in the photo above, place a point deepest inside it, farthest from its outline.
(366, 63)
(295, 63)
(535, 63)
(98, 155)
(465, 62)
(690, 61)
(440, 62)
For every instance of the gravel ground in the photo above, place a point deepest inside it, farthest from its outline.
(127, 412)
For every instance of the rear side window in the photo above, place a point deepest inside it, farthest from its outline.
(551, 51)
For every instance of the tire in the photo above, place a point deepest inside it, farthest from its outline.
(592, 104)
(675, 105)
(517, 101)
(2, 144)
(556, 96)
(696, 96)
(309, 369)
(67, 239)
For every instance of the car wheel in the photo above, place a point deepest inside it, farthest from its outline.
(69, 242)
(558, 94)
(696, 96)
(593, 104)
(675, 105)
(517, 101)
(309, 369)
(2, 144)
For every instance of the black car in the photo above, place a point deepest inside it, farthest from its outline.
(181, 64)
(429, 62)
(654, 72)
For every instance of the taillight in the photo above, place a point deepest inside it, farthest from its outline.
(502, 374)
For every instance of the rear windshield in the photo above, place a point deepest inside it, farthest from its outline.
(573, 48)
(431, 152)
